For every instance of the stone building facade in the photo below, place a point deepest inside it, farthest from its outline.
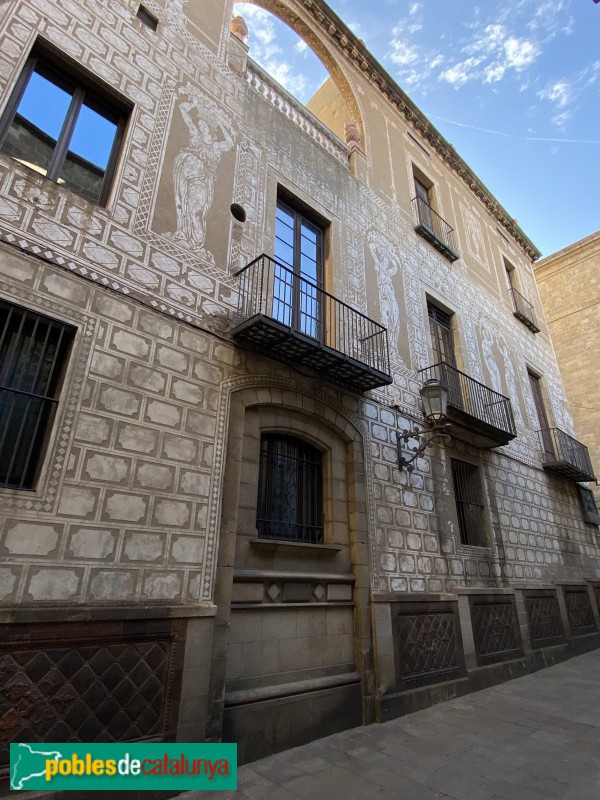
(204, 530)
(569, 286)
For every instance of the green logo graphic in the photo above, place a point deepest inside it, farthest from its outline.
(108, 767)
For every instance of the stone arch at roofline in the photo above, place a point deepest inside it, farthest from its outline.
(286, 14)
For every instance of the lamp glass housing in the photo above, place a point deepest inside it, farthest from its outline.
(435, 400)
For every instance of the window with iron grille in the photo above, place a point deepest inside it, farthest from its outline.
(468, 495)
(60, 124)
(33, 354)
(290, 490)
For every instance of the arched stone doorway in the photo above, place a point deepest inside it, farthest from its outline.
(293, 645)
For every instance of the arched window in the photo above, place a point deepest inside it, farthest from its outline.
(290, 490)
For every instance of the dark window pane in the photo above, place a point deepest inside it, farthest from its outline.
(290, 491)
(93, 136)
(34, 132)
(147, 18)
(45, 104)
(89, 152)
(33, 350)
(299, 246)
(469, 503)
(63, 129)
(284, 252)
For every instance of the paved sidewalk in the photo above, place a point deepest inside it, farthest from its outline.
(534, 738)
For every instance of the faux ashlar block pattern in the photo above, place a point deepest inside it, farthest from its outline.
(137, 487)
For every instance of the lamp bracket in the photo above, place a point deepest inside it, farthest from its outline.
(428, 436)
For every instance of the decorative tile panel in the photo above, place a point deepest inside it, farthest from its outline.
(427, 642)
(495, 629)
(89, 682)
(543, 617)
(579, 610)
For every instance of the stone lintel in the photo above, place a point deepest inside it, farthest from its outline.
(22, 615)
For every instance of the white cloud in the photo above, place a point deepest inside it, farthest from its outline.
(550, 18)
(489, 39)
(414, 63)
(565, 92)
(461, 73)
(493, 73)
(561, 119)
(285, 56)
(560, 93)
(284, 74)
(493, 52)
(403, 53)
(520, 53)
(261, 26)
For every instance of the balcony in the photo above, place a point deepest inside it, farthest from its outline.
(479, 416)
(565, 455)
(291, 319)
(524, 311)
(435, 229)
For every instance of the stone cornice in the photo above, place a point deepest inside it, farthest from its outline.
(571, 255)
(358, 54)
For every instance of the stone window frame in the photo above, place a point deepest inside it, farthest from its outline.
(418, 176)
(25, 339)
(512, 277)
(589, 507)
(63, 72)
(534, 373)
(268, 419)
(308, 500)
(485, 539)
(431, 298)
(45, 495)
(146, 17)
(280, 189)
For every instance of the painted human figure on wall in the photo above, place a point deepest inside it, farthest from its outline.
(511, 381)
(386, 263)
(487, 343)
(194, 170)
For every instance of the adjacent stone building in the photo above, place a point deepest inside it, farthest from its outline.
(216, 324)
(569, 286)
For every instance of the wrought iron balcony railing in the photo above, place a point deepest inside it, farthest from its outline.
(435, 229)
(565, 455)
(524, 311)
(292, 319)
(479, 414)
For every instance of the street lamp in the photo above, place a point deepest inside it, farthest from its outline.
(434, 397)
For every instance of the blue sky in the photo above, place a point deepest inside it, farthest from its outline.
(515, 87)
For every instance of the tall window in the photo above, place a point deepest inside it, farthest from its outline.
(423, 203)
(290, 490)
(442, 340)
(509, 274)
(33, 351)
(540, 410)
(299, 249)
(63, 128)
(468, 496)
(442, 343)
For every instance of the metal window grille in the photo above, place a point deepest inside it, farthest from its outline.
(290, 490)
(469, 503)
(33, 351)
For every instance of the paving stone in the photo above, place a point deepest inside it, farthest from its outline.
(534, 738)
